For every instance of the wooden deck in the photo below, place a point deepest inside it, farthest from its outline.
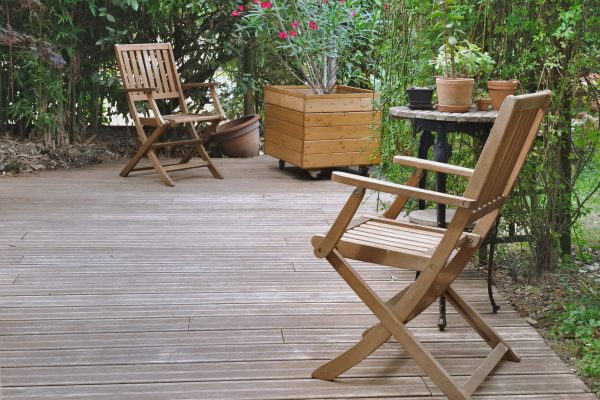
(123, 288)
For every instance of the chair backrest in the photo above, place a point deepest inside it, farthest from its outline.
(149, 66)
(506, 148)
(494, 176)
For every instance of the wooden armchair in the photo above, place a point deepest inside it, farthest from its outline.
(438, 254)
(149, 74)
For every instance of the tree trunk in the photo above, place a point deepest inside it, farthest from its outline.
(249, 69)
(565, 189)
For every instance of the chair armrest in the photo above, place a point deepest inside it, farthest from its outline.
(185, 86)
(394, 188)
(433, 166)
(147, 90)
(213, 94)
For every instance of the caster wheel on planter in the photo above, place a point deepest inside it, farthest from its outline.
(314, 173)
(364, 170)
(281, 164)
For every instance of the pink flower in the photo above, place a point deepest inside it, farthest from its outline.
(354, 13)
(295, 24)
(293, 33)
(386, 6)
(256, 1)
(313, 25)
(325, 1)
(342, 2)
(240, 8)
(283, 35)
(266, 4)
(235, 13)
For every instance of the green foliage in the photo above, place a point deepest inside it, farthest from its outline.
(546, 45)
(465, 59)
(61, 106)
(456, 57)
(310, 38)
(579, 325)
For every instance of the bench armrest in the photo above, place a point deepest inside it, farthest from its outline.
(433, 166)
(394, 188)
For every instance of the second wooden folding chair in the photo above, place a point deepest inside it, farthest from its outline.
(149, 74)
(438, 254)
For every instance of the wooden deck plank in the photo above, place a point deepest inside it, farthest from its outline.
(175, 353)
(249, 370)
(124, 288)
(232, 390)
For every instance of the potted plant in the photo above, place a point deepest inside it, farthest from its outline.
(419, 97)
(239, 138)
(482, 100)
(458, 61)
(318, 124)
(499, 90)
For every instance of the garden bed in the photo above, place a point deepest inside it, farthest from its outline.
(552, 303)
(18, 157)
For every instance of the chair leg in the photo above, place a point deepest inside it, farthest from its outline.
(144, 148)
(373, 338)
(164, 176)
(376, 336)
(205, 133)
(393, 325)
(391, 303)
(199, 148)
(486, 332)
(211, 166)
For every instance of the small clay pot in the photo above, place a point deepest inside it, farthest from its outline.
(499, 90)
(239, 138)
(483, 104)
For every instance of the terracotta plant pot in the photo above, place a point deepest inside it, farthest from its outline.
(483, 104)
(239, 138)
(454, 95)
(499, 90)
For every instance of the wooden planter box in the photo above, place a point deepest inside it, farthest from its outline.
(321, 131)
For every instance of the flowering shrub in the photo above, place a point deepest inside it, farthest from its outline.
(311, 36)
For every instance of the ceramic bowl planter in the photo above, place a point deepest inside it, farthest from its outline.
(499, 90)
(419, 98)
(316, 131)
(454, 95)
(239, 138)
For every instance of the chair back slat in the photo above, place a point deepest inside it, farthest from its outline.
(149, 66)
(161, 73)
(510, 140)
(171, 70)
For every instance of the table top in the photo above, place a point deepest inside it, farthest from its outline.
(470, 116)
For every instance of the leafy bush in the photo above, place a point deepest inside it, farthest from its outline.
(580, 325)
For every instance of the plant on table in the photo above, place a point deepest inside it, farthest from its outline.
(457, 60)
(311, 36)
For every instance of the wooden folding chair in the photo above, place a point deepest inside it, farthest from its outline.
(149, 74)
(438, 254)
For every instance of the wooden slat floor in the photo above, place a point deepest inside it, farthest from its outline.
(114, 288)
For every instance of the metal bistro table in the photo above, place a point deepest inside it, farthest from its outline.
(475, 123)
